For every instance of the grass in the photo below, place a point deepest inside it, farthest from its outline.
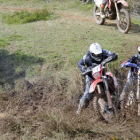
(136, 21)
(3, 43)
(26, 17)
(40, 84)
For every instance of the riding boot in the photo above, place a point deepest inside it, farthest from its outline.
(130, 99)
(121, 100)
(80, 106)
(126, 102)
(102, 11)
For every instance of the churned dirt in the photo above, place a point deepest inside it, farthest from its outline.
(45, 96)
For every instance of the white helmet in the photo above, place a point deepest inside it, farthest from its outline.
(95, 50)
(139, 49)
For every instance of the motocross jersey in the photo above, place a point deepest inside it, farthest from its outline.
(87, 60)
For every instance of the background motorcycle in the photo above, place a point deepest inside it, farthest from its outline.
(85, 1)
(104, 88)
(134, 93)
(114, 9)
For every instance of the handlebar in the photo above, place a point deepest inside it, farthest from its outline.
(129, 64)
(87, 71)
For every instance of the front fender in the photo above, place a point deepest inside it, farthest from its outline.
(123, 2)
(94, 84)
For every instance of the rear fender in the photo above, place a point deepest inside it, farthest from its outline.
(94, 84)
(123, 2)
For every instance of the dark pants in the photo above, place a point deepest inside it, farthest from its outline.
(87, 96)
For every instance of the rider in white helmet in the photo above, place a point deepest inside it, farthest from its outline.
(95, 55)
(95, 50)
(102, 6)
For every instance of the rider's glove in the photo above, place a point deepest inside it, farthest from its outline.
(123, 65)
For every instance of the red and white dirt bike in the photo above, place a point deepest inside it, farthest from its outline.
(104, 88)
(114, 9)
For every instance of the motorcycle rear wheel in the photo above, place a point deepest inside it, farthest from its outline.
(101, 110)
(125, 22)
(96, 15)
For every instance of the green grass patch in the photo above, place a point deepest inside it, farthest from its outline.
(136, 21)
(15, 37)
(3, 43)
(26, 17)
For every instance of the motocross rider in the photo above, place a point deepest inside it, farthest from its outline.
(134, 59)
(95, 55)
(102, 8)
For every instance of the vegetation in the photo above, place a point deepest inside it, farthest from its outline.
(136, 21)
(40, 84)
(26, 17)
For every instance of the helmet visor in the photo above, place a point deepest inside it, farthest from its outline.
(97, 57)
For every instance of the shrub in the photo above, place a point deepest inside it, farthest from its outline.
(26, 17)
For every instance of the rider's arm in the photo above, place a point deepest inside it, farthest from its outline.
(109, 56)
(132, 59)
(81, 64)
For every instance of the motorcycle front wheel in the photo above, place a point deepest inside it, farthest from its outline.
(96, 15)
(124, 23)
(101, 109)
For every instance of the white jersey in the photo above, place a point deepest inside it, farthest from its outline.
(99, 2)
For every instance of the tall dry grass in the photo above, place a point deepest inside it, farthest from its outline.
(43, 112)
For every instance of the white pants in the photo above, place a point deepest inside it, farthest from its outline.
(99, 2)
(129, 82)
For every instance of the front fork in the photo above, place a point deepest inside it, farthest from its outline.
(138, 92)
(138, 87)
(109, 100)
(117, 11)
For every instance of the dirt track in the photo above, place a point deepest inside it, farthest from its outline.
(18, 9)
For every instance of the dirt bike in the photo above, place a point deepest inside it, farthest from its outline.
(104, 88)
(134, 93)
(114, 9)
